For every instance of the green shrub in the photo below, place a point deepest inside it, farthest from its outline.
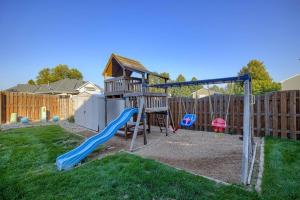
(71, 119)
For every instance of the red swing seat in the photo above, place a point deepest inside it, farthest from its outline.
(218, 125)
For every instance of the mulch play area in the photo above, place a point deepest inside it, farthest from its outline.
(214, 155)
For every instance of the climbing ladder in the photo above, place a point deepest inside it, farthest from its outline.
(161, 123)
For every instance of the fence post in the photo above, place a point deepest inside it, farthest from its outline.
(274, 115)
(258, 116)
(267, 114)
(283, 116)
(1, 107)
(293, 118)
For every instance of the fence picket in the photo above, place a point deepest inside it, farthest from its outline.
(28, 105)
(277, 112)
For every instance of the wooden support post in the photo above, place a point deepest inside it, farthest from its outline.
(144, 125)
(221, 103)
(171, 120)
(137, 124)
(149, 118)
(166, 89)
(293, 118)
(238, 117)
(226, 112)
(215, 109)
(258, 116)
(105, 105)
(175, 112)
(1, 107)
(232, 113)
(126, 131)
(274, 115)
(206, 112)
(167, 105)
(246, 132)
(167, 117)
(267, 115)
(143, 109)
(283, 116)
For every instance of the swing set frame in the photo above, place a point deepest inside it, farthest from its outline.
(247, 123)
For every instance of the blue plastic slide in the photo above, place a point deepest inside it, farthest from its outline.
(71, 158)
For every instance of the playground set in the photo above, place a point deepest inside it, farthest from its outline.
(128, 80)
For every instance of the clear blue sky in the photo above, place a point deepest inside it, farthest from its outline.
(205, 39)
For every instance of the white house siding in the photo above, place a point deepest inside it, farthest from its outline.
(292, 83)
(89, 111)
(89, 88)
(114, 108)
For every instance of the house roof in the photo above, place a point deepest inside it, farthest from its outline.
(290, 78)
(68, 86)
(62, 86)
(24, 88)
(126, 63)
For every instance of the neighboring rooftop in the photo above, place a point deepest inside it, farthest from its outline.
(292, 83)
(24, 88)
(64, 86)
(203, 92)
(291, 77)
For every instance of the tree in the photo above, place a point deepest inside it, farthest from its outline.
(194, 88)
(44, 76)
(31, 82)
(75, 74)
(230, 88)
(157, 80)
(59, 72)
(261, 80)
(181, 91)
(217, 89)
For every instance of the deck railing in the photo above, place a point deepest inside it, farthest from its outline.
(154, 102)
(122, 85)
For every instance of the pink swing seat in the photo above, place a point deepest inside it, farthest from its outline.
(219, 125)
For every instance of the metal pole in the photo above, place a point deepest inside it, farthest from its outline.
(246, 132)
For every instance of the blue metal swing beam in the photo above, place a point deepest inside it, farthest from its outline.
(242, 78)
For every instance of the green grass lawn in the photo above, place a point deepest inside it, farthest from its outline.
(27, 171)
(281, 178)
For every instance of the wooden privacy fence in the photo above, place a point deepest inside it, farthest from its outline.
(276, 114)
(29, 105)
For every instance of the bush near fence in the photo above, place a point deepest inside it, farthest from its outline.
(29, 105)
(276, 114)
